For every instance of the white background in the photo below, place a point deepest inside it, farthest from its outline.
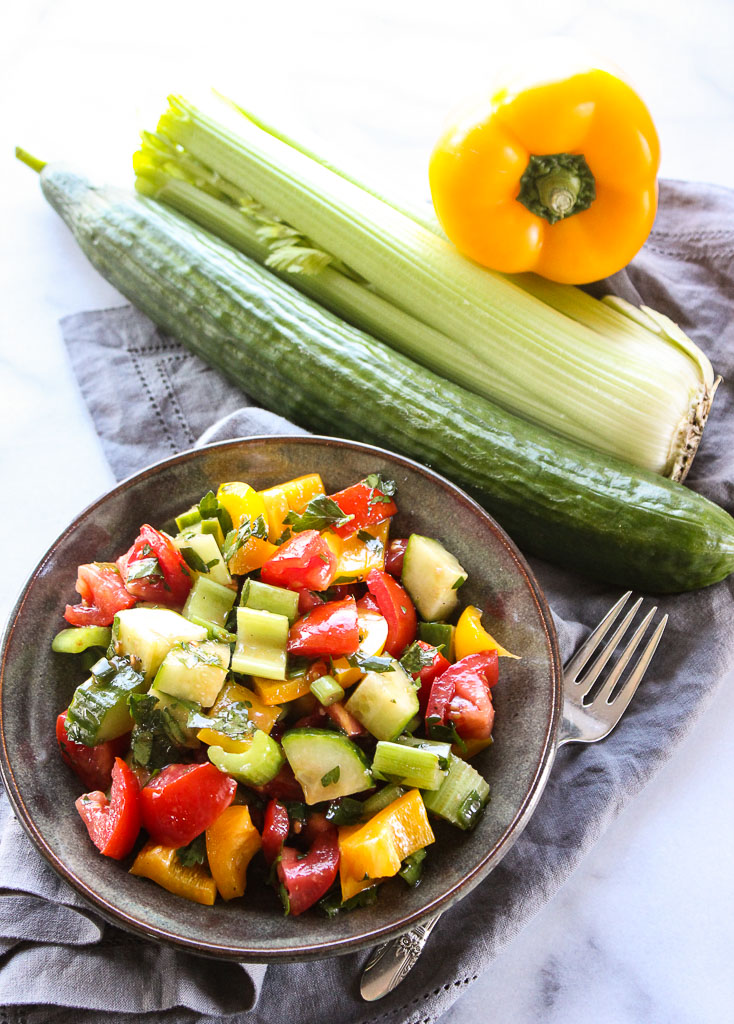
(644, 930)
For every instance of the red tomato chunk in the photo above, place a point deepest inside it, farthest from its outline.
(93, 765)
(168, 581)
(332, 629)
(113, 824)
(462, 696)
(103, 594)
(397, 609)
(275, 830)
(366, 504)
(305, 562)
(307, 879)
(183, 801)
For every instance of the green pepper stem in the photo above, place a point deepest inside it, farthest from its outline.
(556, 186)
(31, 161)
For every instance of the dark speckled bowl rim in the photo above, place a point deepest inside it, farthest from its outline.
(309, 950)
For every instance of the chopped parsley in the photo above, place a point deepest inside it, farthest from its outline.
(331, 776)
(195, 562)
(417, 657)
(373, 544)
(381, 490)
(459, 582)
(194, 853)
(237, 539)
(143, 568)
(371, 662)
(232, 721)
(321, 513)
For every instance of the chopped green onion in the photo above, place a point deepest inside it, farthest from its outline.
(326, 690)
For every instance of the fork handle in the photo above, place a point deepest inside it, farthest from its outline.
(390, 962)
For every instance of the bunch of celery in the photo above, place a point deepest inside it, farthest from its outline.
(619, 379)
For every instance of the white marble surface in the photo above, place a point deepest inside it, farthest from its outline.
(644, 930)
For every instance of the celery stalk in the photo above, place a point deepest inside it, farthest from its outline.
(611, 383)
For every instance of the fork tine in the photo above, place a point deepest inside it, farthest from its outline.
(614, 676)
(619, 705)
(589, 680)
(585, 651)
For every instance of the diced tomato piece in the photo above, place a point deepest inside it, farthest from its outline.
(305, 562)
(93, 765)
(367, 603)
(113, 824)
(461, 696)
(103, 594)
(169, 580)
(285, 786)
(345, 720)
(183, 800)
(394, 557)
(276, 826)
(308, 600)
(307, 879)
(429, 673)
(397, 608)
(366, 504)
(332, 630)
(316, 824)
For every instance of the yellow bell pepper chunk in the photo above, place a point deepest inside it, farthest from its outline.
(350, 885)
(291, 496)
(162, 865)
(354, 558)
(471, 638)
(279, 691)
(471, 748)
(241, 500)
(373, 631)
(260, 714)
(231, 843)
(377, 849)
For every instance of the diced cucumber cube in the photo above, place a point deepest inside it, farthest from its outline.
(209, 601)
(201, 553)
(194, 671)
(440, 635)
(99, 711)
(189, 518)
(326, 763)
(148, 634)
(384, 702)
(432, 577)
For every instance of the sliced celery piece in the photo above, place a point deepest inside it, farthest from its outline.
(189, 518)
(270, 599)
(261, 643)
(382, 799)
(408, 765)
(79, 638)
(326, 690)
(461, 797)
(440, 748)
(259, 764)
(209, 601)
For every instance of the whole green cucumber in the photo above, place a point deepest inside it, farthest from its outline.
(556, 499)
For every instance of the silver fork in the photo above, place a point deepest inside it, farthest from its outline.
(591, 709)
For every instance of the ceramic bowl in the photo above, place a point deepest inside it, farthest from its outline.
(36, 684)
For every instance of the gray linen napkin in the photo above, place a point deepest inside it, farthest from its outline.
(150, 398)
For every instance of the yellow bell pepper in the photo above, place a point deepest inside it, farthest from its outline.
(241, 500)
(231, 843)
(161, 865)
(354, 557)
(553, 171)
(264, 717)
(471, 638)
(378, 848)
(292, 496)
(373, 630)
(350, 885)
(280, 691)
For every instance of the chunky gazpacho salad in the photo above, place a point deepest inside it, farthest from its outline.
(279, 676)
